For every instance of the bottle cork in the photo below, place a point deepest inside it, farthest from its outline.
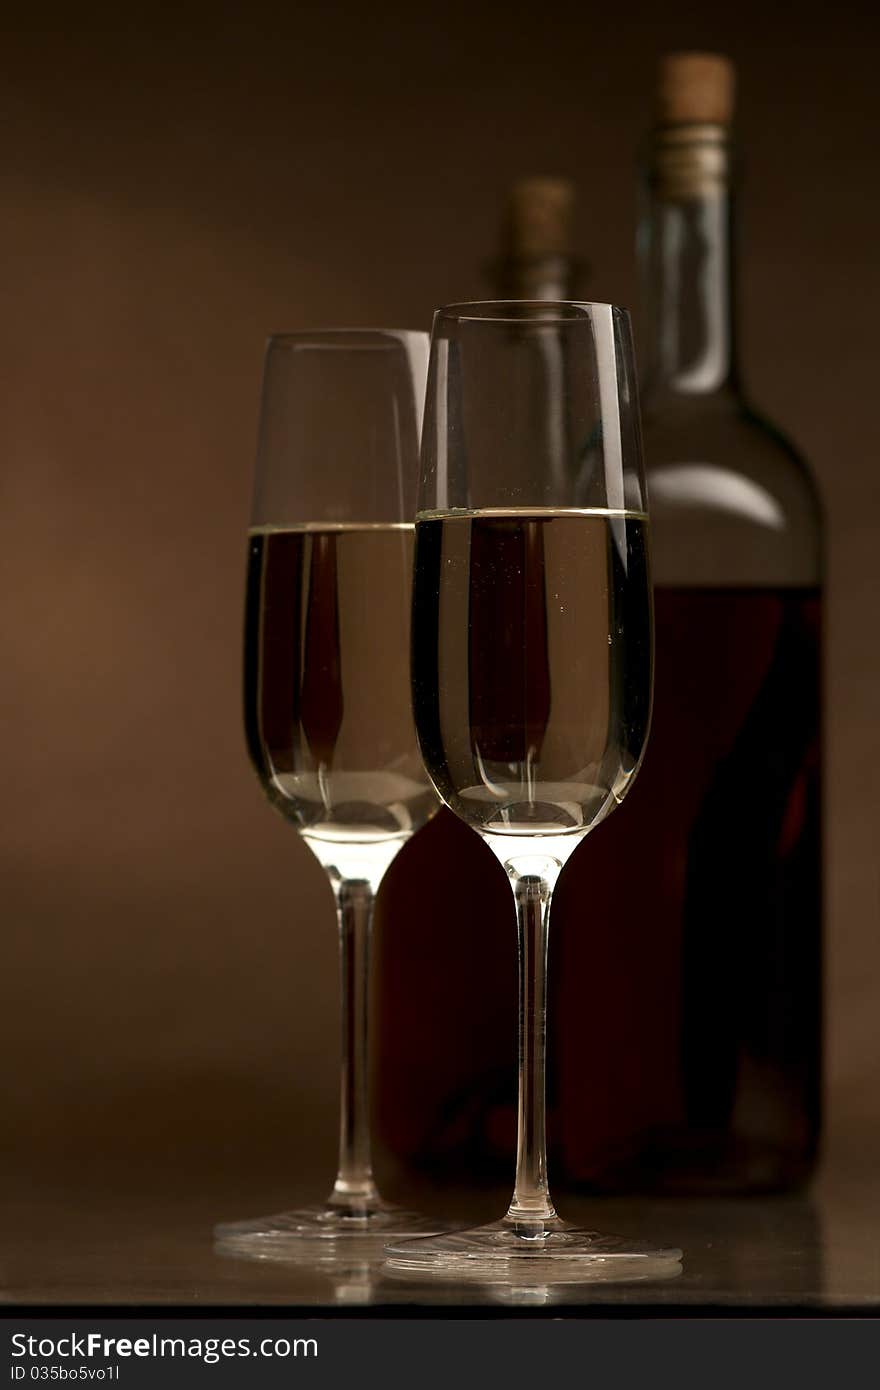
(539, 218)
(695, 87)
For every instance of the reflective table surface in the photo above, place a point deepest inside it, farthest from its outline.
(66, 1247)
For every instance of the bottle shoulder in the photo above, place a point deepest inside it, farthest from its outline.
(731, 499)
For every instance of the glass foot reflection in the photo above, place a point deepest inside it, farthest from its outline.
(345, 1269)
(553, 1249)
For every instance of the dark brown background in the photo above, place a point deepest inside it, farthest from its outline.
(173, 189)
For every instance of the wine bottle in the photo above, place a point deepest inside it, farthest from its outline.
(712, 877)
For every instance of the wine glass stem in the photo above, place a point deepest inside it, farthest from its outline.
(354, 1189)
(531, 1206)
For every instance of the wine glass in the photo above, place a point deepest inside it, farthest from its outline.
(532, 654)
(326, 679)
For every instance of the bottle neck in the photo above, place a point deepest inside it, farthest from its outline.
(687, 264)
(551, 276)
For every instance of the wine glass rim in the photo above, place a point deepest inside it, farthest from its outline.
(505, 310)
(328, 335)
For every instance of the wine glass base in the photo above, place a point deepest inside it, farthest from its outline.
(558, 1250)
(325, 1226)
